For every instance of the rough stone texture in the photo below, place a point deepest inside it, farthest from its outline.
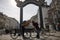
(45, 37)
(8, 22)
(36, 18)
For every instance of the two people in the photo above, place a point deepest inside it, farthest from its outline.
(35, 24)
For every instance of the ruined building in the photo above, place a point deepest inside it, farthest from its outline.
(54, 13)
(36, 18)
(8, 22)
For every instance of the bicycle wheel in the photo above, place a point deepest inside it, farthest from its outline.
(14, 35)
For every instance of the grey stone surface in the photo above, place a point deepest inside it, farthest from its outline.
(8, 22)
(45, 37)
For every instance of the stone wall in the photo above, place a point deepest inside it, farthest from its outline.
(8, 22)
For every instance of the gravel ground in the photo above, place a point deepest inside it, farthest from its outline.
(53, 36)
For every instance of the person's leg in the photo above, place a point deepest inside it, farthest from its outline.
(38, 34)
(23, 33)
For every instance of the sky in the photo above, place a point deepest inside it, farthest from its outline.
(9, 8)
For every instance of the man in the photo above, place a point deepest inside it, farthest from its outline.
(37, 28)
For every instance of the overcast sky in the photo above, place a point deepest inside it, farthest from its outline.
(9, 8)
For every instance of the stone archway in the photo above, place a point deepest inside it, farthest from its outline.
(21, 5)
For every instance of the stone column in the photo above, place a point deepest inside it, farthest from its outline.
(41, 17)
(21, 17)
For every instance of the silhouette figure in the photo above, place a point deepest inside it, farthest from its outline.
(23, 28)
(37, 28)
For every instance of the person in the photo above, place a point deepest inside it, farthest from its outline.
(35, 24)
(47, 27)
(23, 28)
(58, 26)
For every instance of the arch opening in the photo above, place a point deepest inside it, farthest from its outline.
(29, 11)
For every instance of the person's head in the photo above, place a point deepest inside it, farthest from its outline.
(23, 23)
(33, 22)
